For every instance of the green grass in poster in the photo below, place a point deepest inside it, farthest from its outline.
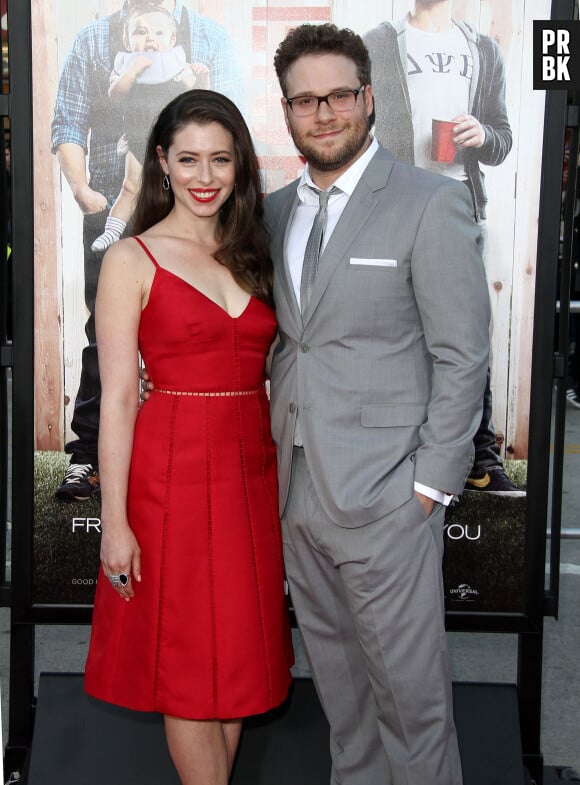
(483, 565)
(484, 545)
(66, 538)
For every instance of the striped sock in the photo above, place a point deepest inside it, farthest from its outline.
(114, 228)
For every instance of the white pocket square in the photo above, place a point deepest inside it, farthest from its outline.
(374, 262)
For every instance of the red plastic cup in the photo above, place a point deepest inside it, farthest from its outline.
(442, 146)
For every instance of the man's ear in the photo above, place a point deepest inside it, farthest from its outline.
(373, 114)
(369, 102)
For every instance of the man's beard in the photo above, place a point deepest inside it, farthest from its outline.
(338, 157)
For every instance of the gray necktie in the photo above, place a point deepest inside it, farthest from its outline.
(312, 252)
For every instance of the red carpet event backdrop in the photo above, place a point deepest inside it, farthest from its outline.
(232, 43)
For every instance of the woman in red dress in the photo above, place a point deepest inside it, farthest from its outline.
(190, 618)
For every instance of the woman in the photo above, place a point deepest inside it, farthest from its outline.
(189, 615)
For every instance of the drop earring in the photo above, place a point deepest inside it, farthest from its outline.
(165, 184)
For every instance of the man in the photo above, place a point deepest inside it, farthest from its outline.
(83, 134)
(428, 66)
(376, 396)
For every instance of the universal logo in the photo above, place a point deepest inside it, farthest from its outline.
(464, 592)
(86, 525)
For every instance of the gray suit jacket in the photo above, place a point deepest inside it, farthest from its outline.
(388, 366)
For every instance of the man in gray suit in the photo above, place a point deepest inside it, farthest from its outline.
(377, 387)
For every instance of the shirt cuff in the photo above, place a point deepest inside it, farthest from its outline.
(438, 496)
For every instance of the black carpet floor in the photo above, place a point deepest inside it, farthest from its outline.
(80, 741)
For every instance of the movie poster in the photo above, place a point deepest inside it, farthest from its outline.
(87, 145)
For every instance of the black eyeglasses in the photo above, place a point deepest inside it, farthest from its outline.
(339, 101)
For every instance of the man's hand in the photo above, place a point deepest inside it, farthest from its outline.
(426, 501)
(468, 132)
(147, 385)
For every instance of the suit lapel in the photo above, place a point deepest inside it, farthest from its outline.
(355, 219)
(283, 281)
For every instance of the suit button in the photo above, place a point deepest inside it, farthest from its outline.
(304, 348)
(292, 408)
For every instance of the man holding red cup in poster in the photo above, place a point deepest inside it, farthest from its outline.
(439, 89)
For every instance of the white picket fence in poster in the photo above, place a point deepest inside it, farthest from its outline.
(256, 29)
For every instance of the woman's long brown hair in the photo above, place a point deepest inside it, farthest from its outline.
(243, 238)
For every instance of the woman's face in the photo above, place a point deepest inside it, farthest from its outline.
(201, 168)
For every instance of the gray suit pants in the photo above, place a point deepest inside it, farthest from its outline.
(369, 604)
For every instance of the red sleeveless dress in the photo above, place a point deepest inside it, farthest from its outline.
(207, 633)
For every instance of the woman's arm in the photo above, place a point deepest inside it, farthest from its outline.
(118, 311)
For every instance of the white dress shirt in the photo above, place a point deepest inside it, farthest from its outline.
(308, 207)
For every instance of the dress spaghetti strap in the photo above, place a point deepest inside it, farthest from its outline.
(148, 252)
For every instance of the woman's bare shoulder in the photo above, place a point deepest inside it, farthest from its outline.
(127, 254)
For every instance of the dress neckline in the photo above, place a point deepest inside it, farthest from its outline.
(159, 267)
(204, 295)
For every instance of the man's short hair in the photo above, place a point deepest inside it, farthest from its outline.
(327, 38)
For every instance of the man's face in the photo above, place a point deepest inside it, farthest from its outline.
(330, 141)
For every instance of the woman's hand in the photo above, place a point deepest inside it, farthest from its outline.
(121, 556)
